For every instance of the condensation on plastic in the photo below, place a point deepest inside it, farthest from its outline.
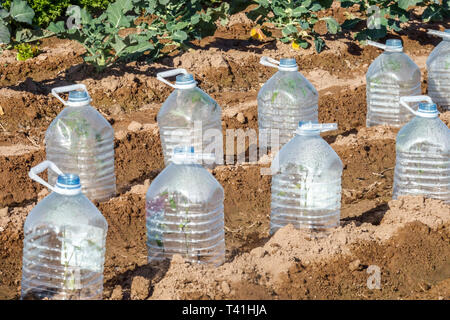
(284, 100)
(423, 158)
(185, 216)
(306, 184)
(189, 116)
(390, 76)
(438, 69)
(80, 140)
(63, 249)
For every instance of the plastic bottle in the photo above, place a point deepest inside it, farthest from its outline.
(190, 117)
(306, 181)
(64, 242)
(390, 76)
(284, 100)
(80, 140)
(185, 216)
(438, 67)
(423, 153)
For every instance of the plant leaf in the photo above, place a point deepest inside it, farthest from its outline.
(21, 11)
(332, 25)
(116, 13)
(5, 35)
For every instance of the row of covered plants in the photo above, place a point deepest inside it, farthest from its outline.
(157, 27)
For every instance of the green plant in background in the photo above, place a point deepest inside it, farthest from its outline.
(177, 22)
(47, 11)
(295, 19)
(100, 35)
(11, 21)
(26, 51)
(92, 4)
(390, 14)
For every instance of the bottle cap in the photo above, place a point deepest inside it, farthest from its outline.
(68, 181)
(288, 63)
(394, 44)
(78, 96)
(309, 127)
(184, 79)
(285, 64)
(427, 110)
(187, 155)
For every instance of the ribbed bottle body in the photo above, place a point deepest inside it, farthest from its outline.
(306, 185)
(390, 76)
(438, 69)
(191, 117)
(64, 250)
(423, 159)
(81, 141)
(185, 215)
(283, 101)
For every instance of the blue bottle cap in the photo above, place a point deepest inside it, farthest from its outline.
(428, 109)
(183, 149)
(78, 96)
(185, 79)
(68, 181)
(288, 62)
(394, 43)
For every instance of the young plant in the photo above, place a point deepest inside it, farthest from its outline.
(295, 19)
(12, 21)
(386, 15)
(100, 35)
(177, 22)
(26, 51)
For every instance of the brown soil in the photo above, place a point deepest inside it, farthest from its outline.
(407, 239)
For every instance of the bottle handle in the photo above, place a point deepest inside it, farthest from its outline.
(47, 164)
(269, 62)
(376, 44)
(161, 76)
(438, 33)
(328, 127)
(63, 89)
(383, 46)
(409, 99)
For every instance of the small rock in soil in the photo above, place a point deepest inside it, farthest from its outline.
(117, 293)
(4, 219)
(240, 117)
(134, 126)
(42, 194)
(119, 135)
(225, 287)
(140, 288)
(115, 109)
(354, 265)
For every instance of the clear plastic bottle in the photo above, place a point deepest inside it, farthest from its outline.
(284, 100)
(64, 243)
(191, 117)
(184, 206)
(423, 153)
(306, 181)
(390, 76)
(81, 141)
(438, 67)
